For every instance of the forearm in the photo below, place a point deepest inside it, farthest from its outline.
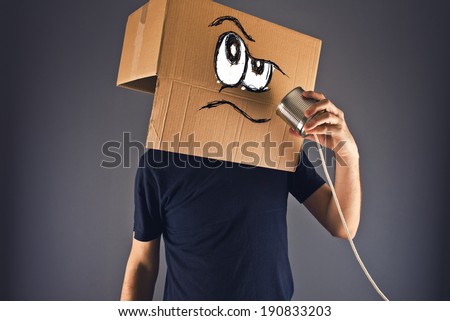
(328, 127)
(139, 282)
(347, 184)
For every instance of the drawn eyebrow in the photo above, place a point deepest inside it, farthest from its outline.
(216, 103)
(277, 67)
(219, 21)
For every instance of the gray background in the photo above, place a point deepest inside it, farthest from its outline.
(66, 223)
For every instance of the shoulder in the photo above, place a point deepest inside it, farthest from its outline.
(303, 164)
(156, 159)
(152, 157)
(149, 162)
(304, 161)
(161, 164)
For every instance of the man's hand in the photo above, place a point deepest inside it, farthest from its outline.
(330, 127)
(332, 132)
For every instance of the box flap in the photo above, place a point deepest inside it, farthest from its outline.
(141, 47)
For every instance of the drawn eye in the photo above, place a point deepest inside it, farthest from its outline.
(258, 75)
(230, 59)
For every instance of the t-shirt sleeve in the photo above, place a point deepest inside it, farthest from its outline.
(305, 180)
(147, 212)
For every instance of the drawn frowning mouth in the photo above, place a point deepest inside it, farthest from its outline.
(236, 67)
(216, 103)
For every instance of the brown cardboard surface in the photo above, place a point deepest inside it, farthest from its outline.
(141, 46)
(171, 39)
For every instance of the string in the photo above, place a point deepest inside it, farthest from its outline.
(345, 224)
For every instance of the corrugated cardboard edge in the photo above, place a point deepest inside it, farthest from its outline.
(318, 49)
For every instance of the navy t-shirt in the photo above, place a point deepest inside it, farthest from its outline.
(224, 224)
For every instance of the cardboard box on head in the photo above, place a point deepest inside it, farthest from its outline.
(218, 75)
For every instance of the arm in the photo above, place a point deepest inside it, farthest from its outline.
(141, 271)
(348, 189)
(333, 133)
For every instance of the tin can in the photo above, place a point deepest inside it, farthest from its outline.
(292, 110)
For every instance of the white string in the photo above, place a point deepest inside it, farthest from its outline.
(344, 223)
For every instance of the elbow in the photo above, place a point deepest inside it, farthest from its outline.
(342, 234)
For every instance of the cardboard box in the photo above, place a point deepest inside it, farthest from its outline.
(185, 51)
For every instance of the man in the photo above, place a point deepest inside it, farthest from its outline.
(224, 224)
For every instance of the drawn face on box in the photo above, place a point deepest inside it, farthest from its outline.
(235, 67)
(217, 75)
